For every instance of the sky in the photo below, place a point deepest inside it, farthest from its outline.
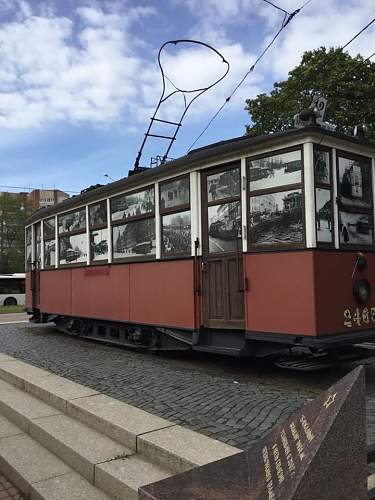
(79, 79)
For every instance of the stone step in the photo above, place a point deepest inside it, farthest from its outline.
(20, 407)
(37, 472)
(100, 460)
(180, 449)
(77, 444)
(115, 419)
(114, 445)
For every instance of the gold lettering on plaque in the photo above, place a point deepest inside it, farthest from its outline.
(278, 465)
(287, 451)
(267, 473)
(297, 439)
(331, 399)
(307, 429)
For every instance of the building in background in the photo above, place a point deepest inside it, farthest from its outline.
(15, 209)
(46, 198)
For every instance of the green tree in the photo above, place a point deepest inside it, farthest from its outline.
(347, 82)
(14, 211)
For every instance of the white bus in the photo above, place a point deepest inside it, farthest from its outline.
(12, 289)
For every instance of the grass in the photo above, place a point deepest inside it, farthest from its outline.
(11, 309)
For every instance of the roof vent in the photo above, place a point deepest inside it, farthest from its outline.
(359, 131)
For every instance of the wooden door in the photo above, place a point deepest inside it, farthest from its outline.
(222, 268)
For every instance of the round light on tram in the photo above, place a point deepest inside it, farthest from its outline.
(362, 290)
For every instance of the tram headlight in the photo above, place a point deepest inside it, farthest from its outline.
(362, 290)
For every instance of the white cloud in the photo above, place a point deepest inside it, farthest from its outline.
(91, 67)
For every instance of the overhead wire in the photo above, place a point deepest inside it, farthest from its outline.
(286, 20)
(30, 188)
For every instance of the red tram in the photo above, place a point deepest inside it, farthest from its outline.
(244, 247)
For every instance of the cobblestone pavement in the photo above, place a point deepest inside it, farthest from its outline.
(8, 491)
(235, 401)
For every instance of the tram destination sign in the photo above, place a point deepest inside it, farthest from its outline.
(320, 452)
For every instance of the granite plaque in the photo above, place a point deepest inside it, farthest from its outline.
(317, 454)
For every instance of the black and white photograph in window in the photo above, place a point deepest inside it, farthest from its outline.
(49, 228)
(133, 205)
(49, 253)
(276, 218)
(72, 221)
(99, 244)
(275, 171)
(323, 215)
(322, 166)
(98, 214)
(354, 182)
(223, 185)
(224, 227)
(134, 239)
(355, 229)
(73, 249)
(177, 233)
(175, 193)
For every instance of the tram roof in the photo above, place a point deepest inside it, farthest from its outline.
(195, 158)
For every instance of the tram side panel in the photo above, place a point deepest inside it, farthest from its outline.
(153, 293)
(101, 292)
(280, 295)
(28, 292)
(337, 308)
(56, 291)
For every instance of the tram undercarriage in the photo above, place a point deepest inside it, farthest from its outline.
(297, 353)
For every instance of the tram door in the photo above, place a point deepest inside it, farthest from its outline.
(36, 266)
(222, 268)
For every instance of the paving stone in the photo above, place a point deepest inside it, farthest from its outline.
(155, 382)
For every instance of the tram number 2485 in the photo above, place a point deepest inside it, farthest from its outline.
(359, 317)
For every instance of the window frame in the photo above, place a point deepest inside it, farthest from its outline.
(328, 187)
(217, 169)
(272, 247)
(95, 227)
(48, 239)
(347, 208)
(71, 233)
(185, 207)
(136, 218)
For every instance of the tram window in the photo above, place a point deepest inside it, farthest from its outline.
(322, 166)
(355, 229)
(28, 240)
(276, 215)
(49, 253)
(134, 239)
(323, 215)
(133, 205)
(49, 242)
(354, 182)
(72, 249)
(99, 244)
(72, 221)
(176, 233)
(275, 171)
(175, 193)
(38, 241)
(175, 216)
(223, 185)
(98, 214)
(277, 218)
(224, 227)
(49, 228)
